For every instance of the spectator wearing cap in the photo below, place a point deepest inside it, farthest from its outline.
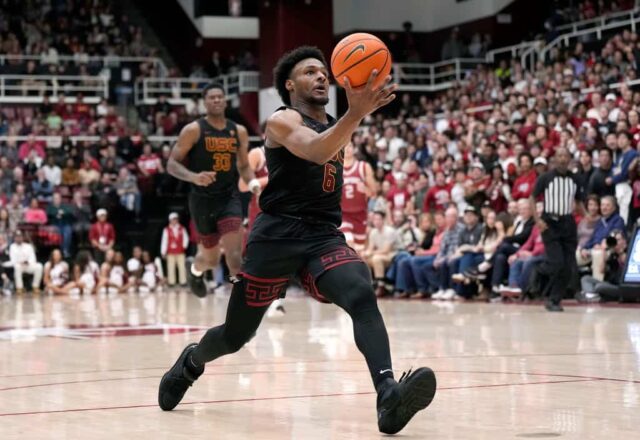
(598, 181)
(475, 241)
(173, 248)
(620, 174)
(22, 256)
(102, 235)
(540, 164)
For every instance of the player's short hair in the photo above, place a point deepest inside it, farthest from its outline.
(211, 86)
(285, 65)
(380, 213)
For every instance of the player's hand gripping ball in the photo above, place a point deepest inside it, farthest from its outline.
(355, 57)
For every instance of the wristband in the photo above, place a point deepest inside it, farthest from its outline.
(254, 185)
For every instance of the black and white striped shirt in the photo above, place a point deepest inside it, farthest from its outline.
(560, 191)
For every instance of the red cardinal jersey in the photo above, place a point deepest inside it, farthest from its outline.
(254, 207)
(353, 200)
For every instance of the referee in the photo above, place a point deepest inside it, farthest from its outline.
(556, 193)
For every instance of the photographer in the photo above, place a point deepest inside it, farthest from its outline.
(612, 267)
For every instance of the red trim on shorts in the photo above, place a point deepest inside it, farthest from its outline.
(229, 224)
(309, 284)
(340, 263)
(260, 279)
(209, 241)
(260, 292)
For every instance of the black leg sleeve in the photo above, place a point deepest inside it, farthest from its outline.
(240, 326)
(349, 287)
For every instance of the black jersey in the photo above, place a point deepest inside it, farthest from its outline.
(300, 188)
(216, 150)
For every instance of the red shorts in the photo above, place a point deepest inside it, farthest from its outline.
(355, 223)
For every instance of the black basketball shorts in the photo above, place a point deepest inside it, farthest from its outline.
(215, 216)
(281, 248)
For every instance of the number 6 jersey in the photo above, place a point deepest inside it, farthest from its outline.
(216, 151)
(300, 188)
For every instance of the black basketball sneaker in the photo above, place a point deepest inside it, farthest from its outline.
(399, 402)
(197, 284)
(177, 381)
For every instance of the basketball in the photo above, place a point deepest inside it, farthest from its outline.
(356, 55)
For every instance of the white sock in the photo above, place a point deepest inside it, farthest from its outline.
(194, 271)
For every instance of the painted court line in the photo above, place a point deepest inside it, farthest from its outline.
(359, 371)
(256, 399)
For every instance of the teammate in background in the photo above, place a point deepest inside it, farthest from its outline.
(359, 184)
(258, 163)
(216, 149)
(297, 235)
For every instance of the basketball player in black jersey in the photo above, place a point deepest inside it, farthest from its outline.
(297, 236)
(216, 149)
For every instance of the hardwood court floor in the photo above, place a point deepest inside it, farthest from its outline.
(89, 368)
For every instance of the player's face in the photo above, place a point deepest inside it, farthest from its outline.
(311, 81)
(215, 102)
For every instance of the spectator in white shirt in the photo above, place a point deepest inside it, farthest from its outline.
(383, 243)
(23, 259)
(175, 241)
(52, 172)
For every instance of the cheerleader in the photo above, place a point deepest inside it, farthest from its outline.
(151, 276)
(56, 274)
(86, 273)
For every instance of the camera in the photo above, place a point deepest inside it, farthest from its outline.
(611, 240)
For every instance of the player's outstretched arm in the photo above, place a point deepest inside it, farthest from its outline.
(256, 158)
(246, 171)
(285, 128)
(186, 140)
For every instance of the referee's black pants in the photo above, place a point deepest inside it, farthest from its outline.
(560, 243)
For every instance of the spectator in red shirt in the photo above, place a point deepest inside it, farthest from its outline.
(523, 185)
(399, 196)
(438, 197)
(102, 236)
(149, 163)
(31, 145)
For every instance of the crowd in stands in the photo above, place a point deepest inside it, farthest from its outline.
(451, 217)
(82, 28)
(456, 173)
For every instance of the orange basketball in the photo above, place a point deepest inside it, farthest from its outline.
(356, 55)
